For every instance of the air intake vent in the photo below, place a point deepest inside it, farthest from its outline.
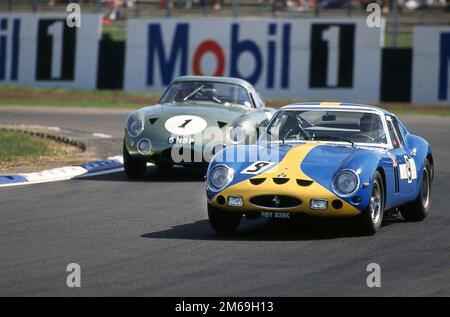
(275, 201)
(280, 180)
(257, 181)
(304, 182)
(152, 120)
(221, 124)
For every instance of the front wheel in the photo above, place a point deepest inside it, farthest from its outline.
(418, 209)
(223, 222)
(134, 167)
(372, 218)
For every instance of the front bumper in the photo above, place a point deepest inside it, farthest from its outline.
(291, 196)
(163, 152)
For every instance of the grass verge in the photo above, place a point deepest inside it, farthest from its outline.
(116, 99)
(18, 148)
(16, 145)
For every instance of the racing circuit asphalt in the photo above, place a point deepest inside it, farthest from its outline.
(152, 237)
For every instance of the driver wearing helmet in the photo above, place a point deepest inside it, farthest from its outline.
(370, 126)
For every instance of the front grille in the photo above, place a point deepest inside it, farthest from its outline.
(275, 201)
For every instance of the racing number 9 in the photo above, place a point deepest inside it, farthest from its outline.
(257, 167)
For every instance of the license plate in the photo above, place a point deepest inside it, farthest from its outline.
(181, 140)
(276, 214)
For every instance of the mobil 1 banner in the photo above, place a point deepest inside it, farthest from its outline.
(308, 59)
(332, 53)
(44, 50)
(431, 65)
(56, 48)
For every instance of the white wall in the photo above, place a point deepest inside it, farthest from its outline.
(431, 69)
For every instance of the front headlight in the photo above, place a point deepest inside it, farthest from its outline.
(346, 182)
(220, 177)
(237, 134)
(135, 127)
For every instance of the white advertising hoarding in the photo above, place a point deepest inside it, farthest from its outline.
(308, 59)
(431, 65)
(42, 50)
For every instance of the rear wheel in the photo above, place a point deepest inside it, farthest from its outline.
(418, 209)
(223, 222)
(134, 167)
(372, 218)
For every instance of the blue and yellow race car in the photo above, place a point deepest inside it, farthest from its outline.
(326, 160)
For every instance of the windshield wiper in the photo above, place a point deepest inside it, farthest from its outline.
(193, 93)
(337, 139)
(216, 99)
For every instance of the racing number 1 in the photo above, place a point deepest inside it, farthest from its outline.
(186, 122)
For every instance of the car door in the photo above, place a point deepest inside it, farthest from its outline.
(405, 167)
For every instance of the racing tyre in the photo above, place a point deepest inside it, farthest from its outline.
(372, 218)
(134, 167)
(223, 222)
(418, 209)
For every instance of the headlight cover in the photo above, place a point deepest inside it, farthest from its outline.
(237, 134)
(135, 127)
(220, 177)
(346, 183)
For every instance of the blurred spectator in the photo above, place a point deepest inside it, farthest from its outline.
(294, 5)
(332, 4)
(386, 4)
(278, 4)
(414, 4)
(113, 10)
(218, 4)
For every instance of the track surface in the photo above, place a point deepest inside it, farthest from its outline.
(151, 237)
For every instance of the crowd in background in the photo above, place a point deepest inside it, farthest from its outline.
(113, 8)
(301, 5)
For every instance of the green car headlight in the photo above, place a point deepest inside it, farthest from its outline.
(220, 177)
(346, 182)
(135, 127)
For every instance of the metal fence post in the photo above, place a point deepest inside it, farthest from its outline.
(9, 5)
(137, 8)
(34, 6)
(394, 16)
(169, 4)
(205, 4)
(234, 8)
(97, 6)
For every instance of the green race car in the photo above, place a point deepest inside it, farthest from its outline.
(196, 117)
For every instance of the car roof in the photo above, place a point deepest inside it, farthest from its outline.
(217, 79)
(336, 105)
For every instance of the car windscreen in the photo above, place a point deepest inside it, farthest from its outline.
(326, 125)
(205, 91)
